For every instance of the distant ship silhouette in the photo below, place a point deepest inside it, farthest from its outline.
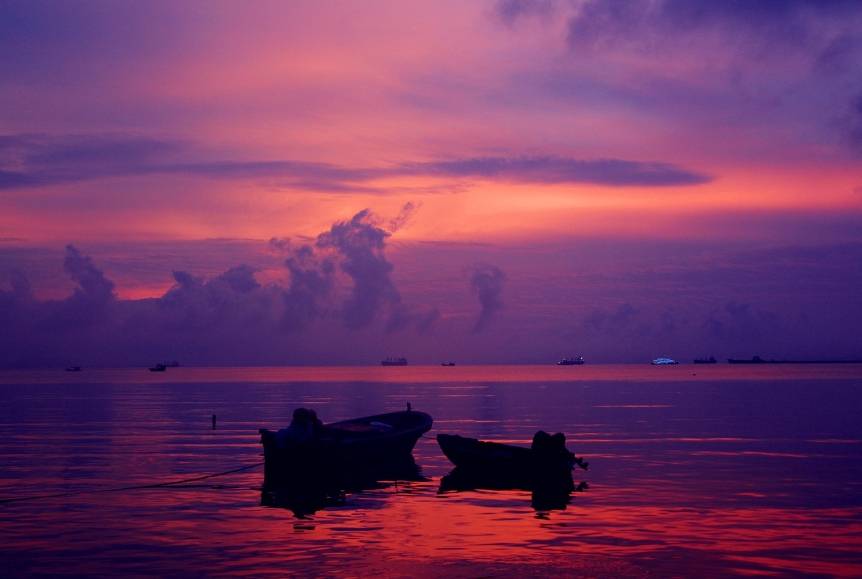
(759, 360)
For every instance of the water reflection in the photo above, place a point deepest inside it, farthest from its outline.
(308, 492)
(736, 471)
(548, 493)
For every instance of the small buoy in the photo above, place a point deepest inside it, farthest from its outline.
(214, 421)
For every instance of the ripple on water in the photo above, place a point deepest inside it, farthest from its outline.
(750, 473)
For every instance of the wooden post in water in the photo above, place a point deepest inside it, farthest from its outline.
(214, 421)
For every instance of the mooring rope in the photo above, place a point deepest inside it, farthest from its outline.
(131, 487)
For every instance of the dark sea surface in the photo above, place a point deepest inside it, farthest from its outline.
(694, 471)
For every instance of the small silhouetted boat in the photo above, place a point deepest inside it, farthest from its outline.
(710, 360)
(394, 362)
(548, 454)
(447, 363)
(579, 361)
(73, 369)
(664, 362)
(158, 368)
(752, 360)
(358, 443)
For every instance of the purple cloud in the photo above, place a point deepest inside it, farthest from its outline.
(360, 244)
(343, 275)
(614, 172)
(37, 160)
(487, 282)
(510, 11)
(93, 287)
(642, 24)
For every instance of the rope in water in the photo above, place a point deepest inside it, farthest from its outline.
(131, 487)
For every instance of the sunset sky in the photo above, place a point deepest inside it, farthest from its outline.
(490, 181)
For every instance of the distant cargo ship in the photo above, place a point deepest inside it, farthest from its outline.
(579, 361)
(710, 360)
(759, 360)
(664, 362)
(752, 360)
(447, 363)
(394, 362)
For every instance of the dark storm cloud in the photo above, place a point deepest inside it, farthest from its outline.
(229, 301)
(311, 284)
(341, 276)
(92, 298)
(39, 160)
(580, 297)
(360, 244)
(93, 287)
(487, 283)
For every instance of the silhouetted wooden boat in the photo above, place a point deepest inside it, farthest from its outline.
(579, 361)
(447, 363)
(73, 369)
(158, 368)
(547, 455)
(359, 443)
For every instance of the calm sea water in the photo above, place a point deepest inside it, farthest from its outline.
(707, 471)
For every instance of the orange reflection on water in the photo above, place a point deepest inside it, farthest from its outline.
(742, 476)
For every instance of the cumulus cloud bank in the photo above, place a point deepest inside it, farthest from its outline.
(342, 277)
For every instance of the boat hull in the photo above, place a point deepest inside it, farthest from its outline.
(352, 444)
(502, 460)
